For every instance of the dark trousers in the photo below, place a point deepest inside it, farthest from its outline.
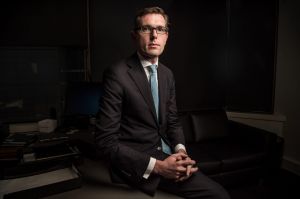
(197, 186)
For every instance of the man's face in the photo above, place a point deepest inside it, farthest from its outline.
(151, 44)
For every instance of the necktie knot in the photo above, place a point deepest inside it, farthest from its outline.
(153, 69)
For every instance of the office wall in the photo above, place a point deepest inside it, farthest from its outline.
(221, 50)
(43, 23)
(287, 93)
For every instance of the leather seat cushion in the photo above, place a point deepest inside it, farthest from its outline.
(233, 153)
(205, 162)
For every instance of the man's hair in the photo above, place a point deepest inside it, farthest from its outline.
(149, 10)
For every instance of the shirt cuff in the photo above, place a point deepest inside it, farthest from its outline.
(150, 168)
(179, 146)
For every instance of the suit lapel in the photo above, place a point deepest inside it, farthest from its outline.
(137, 73)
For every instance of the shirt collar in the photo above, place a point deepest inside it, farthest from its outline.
(145, 63)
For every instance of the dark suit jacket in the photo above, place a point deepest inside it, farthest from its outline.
(128, 131)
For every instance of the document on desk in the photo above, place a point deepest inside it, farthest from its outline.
(12, 186)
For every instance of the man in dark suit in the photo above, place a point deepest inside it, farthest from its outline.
(138, 128)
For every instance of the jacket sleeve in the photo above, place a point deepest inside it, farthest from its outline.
(130, 162)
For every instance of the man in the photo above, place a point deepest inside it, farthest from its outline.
(138, 128)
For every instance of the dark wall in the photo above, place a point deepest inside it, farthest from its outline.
(197, 53)
(43, 23)
(221, 51)
(251, 55)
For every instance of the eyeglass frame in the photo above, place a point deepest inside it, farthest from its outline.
(149, 28)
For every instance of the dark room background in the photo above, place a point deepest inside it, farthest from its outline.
(222, 52)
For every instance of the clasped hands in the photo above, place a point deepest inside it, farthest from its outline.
(178, 167)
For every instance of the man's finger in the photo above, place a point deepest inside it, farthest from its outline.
(187, 162)
(180, 155)
(193, 170)
(188, 170)
(181, 169)
(178, 158)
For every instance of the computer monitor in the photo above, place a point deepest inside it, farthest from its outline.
(81, 102)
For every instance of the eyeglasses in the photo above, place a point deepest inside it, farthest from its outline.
(149, 29)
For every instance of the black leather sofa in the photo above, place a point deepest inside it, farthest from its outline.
(229, 152)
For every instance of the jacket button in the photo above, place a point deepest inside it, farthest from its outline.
(158, 148)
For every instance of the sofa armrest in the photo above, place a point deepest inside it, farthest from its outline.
(263, 140)
(252, 135)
